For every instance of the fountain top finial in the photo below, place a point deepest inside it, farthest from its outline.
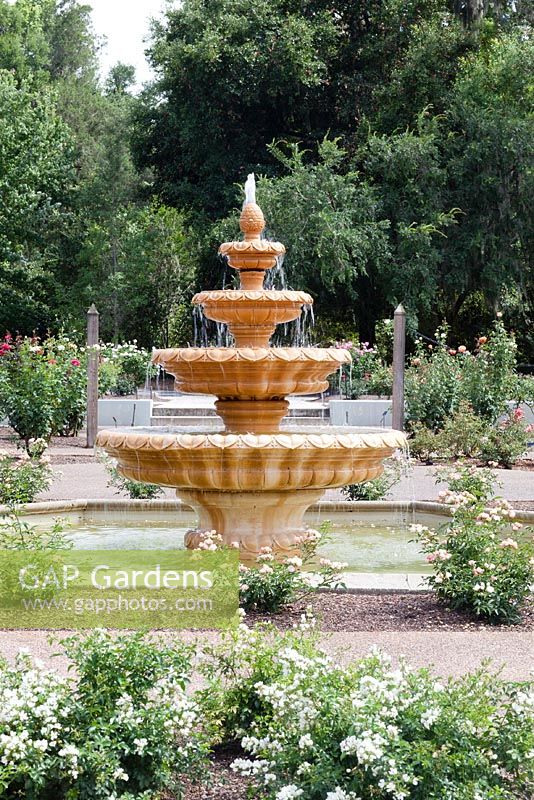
(252, 221)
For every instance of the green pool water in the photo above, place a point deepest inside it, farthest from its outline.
(368, 542)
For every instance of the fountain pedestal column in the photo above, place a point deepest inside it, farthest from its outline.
(254, 519)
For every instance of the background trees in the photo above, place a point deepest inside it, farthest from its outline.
(393, 140)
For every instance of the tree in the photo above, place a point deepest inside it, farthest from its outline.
(140, 269)
(23, 45)
(489, 151)
(410, 180)
(33, 194)
(233, 76)
(120, 79)
(327, 217)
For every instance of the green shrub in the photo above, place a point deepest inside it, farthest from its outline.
(379, 488)
(24, 476)
(507, 441)
(136, 490)
(28, 390)
(42, 386)
(123, 728)
(424, 443)
(478, 566)
(17, 534)
(466, 434)
(462, 433)
(440, 379)
(432, 384)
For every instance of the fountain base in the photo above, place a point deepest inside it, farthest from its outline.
(254, 519)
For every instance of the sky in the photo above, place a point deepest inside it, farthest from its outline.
(125, 23)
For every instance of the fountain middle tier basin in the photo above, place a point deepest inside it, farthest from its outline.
(251, 373)
(252, 316)
(251, 488)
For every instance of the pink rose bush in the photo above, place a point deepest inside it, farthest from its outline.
(478, 565)
(271, 582)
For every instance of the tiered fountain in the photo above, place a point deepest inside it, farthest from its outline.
(250, 481)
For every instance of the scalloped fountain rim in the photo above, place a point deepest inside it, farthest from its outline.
(289, 439)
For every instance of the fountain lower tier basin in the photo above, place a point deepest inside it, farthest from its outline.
(251, 373)
(251, 488)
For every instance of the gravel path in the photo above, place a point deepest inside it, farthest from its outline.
(449, 652)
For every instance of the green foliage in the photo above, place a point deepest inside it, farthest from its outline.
(33, 192)
(23, 477)
(138, 268)
(477, 565)
(123, 727)
(17, 534)
(133, 489)
(342, 239)
(313, 729)
(489, 155)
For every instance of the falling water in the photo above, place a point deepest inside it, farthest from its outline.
(225, 271)
(147, 390)
(208, 333)
(275, 278)
(159, 373)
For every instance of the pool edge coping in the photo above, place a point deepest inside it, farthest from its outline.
(119, 503)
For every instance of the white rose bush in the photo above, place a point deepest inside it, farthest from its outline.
(271, 583)
(313, 730)
(128, 727)
(123, 729)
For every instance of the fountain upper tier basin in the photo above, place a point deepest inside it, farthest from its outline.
(288, 461)
(247, 373)
(252, 316)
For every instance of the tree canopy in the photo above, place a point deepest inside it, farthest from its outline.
(392, 140)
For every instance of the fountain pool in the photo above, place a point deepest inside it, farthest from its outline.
(373, 538)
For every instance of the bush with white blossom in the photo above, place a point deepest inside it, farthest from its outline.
(480, 563)
(314, 730)
(124, 728)
(273, 582)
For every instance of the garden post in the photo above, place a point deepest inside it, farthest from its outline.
(399, 352)
(92, 375)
